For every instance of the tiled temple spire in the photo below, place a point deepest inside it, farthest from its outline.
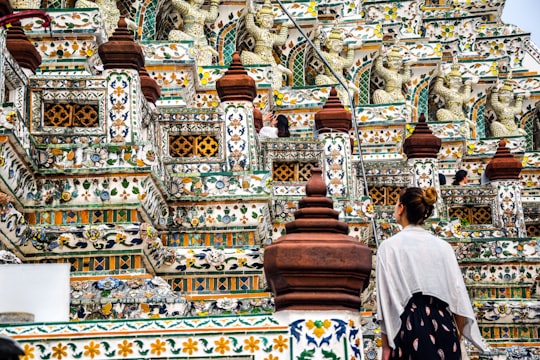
(422, 149)
(333, 123)
(503, 172)
(236, 90)
(236, 84)
(121, 51)
(316, 265)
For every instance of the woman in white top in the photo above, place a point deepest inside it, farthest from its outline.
(423, 305)
(269, 130)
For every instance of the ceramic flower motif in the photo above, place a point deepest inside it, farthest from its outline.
(108, 283)
(215, 257)
(367, 208)
(227, 304)
(147, 233)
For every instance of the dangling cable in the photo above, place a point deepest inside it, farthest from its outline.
(353, 112)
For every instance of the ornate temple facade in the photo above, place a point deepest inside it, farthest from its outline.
(129, 150)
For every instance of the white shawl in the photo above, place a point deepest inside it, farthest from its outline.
(415, 261)
(268, 132)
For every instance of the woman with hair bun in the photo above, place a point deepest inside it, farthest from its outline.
(422, 304)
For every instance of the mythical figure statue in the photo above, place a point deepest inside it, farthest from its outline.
(265, 41)
(455, 93)
(194, 18)
(501, 102)
(109, 13)
(395, 74)
(334, 43)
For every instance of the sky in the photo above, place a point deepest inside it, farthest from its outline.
(526, 15)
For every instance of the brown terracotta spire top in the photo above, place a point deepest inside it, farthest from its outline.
(422, 143)
(315, 185)
(503, 166)
(333, 116)
(316, 211)
(294, 265)
(333, 100)
(149, 86)
(121, 32)
(236, 84)
(21, 48)
(17, 43)
(121, 52)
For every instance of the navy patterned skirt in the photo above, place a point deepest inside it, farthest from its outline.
(428, 331)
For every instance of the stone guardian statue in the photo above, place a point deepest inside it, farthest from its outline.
(506, 107)
(194, 18)
(456, 93)
(392, 69)
(334, 43)
(260, 26)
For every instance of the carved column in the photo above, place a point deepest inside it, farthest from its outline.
(236, 90)
(503, 172)
(333, 123)
(317, 272)
(421, 149)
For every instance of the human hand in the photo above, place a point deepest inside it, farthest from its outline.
(269, 118)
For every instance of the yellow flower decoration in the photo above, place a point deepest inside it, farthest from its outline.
(222, 345)
(319, 327)
(378, 31)
(391, 12)
(125, 348)
(28, 352)
(448, 31)
(252, 344)
(280, 344)
(438, 49)
(59, 351)
(158, 347)
(92, 349)
(190, 346)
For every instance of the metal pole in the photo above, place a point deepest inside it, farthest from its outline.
(351, 101)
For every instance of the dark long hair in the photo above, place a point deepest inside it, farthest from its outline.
(418, 203)
(460, 175)
(282, 126)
